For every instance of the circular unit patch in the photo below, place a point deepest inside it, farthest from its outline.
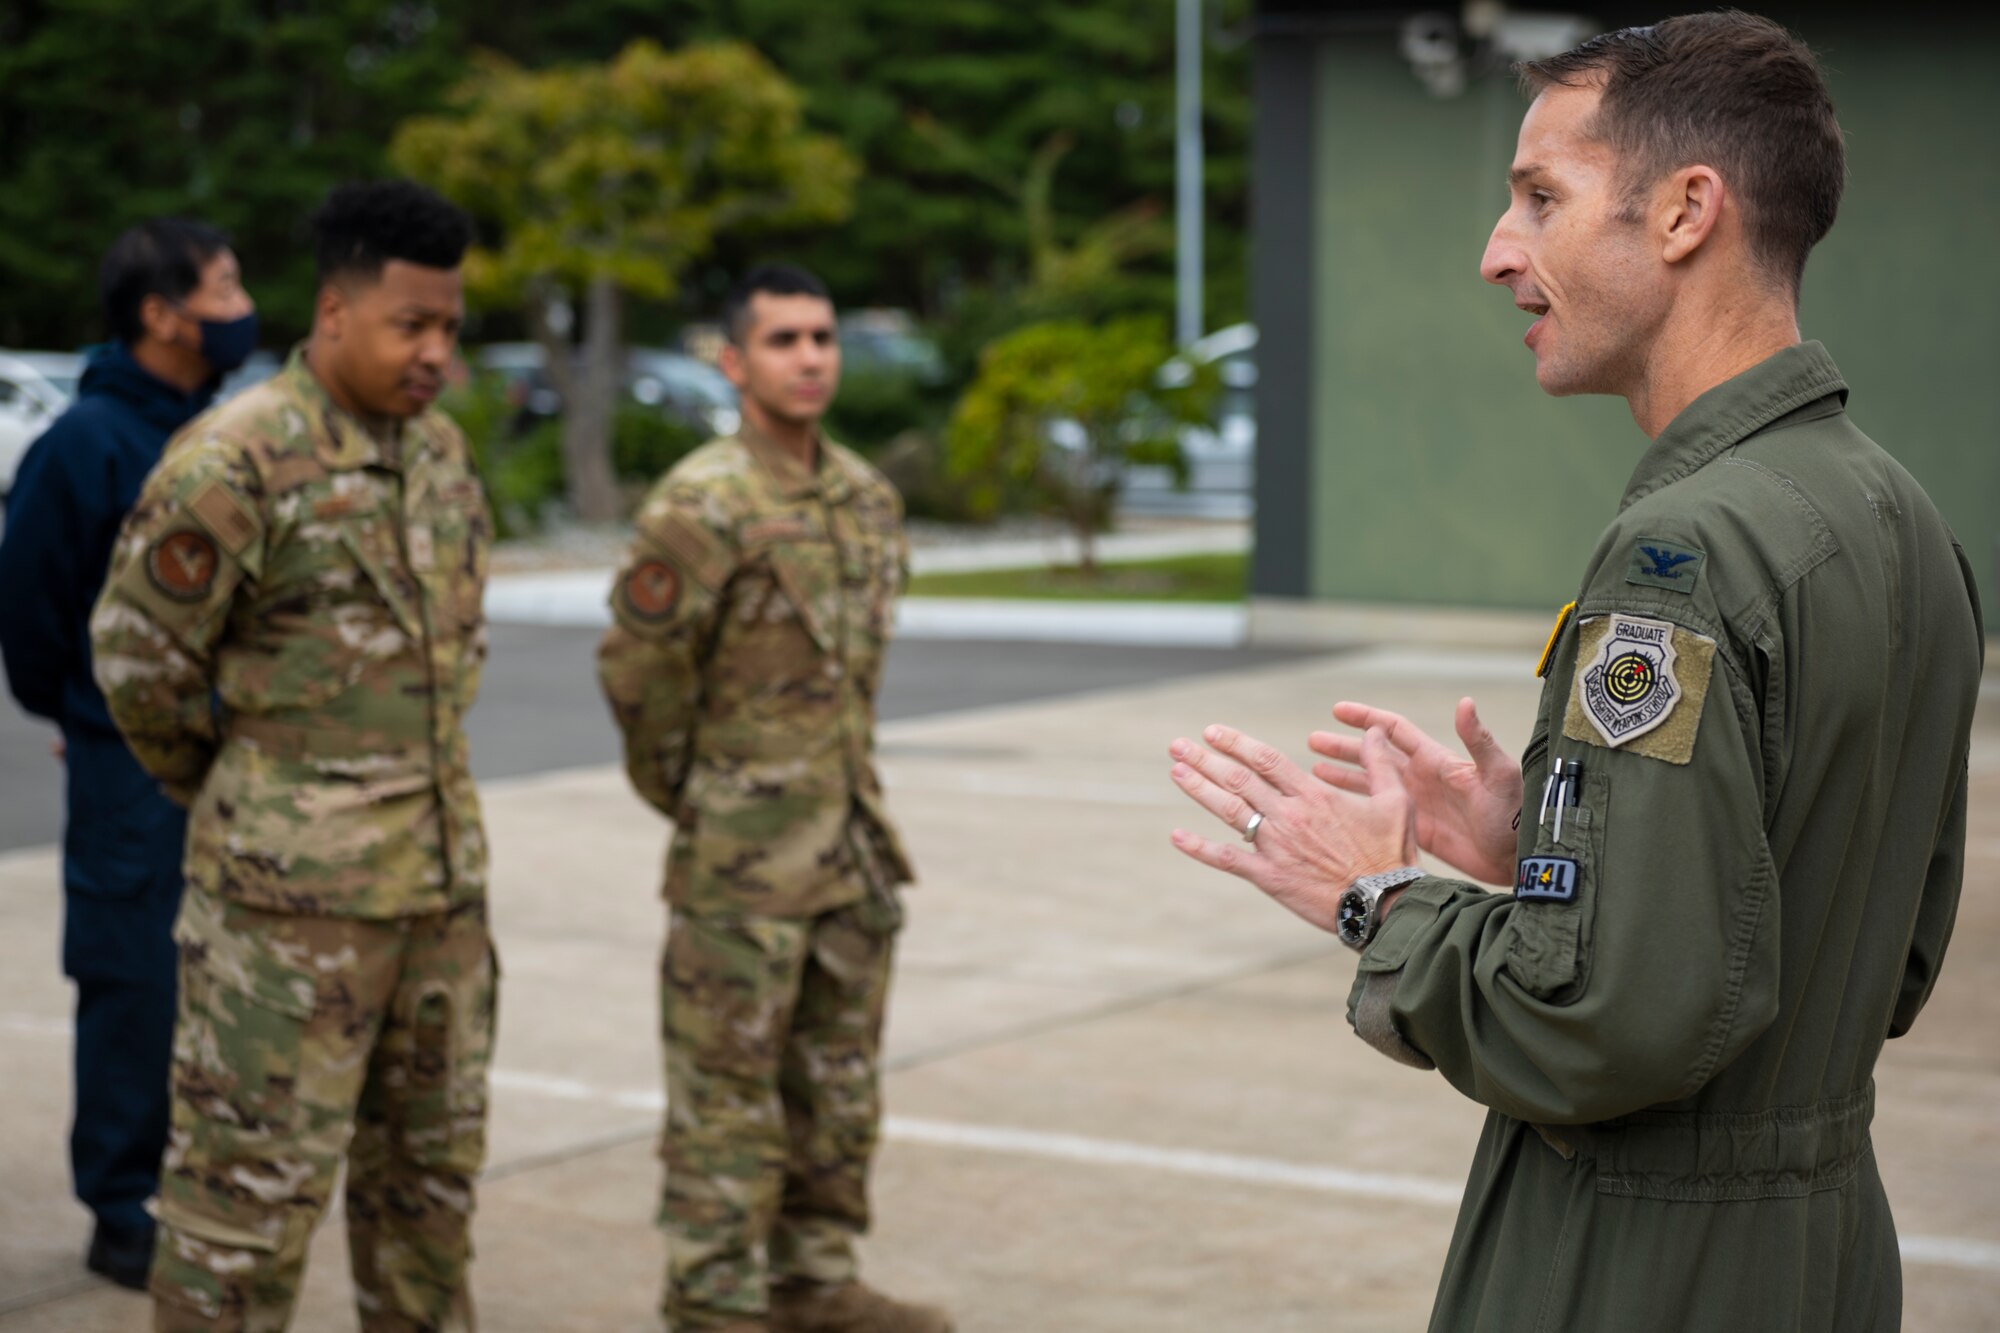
(1629, 678)
(652, 589)
(182, 565)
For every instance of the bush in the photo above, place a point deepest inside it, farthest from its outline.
(645, 443)
(874, 407)
(522, 469)
(1059, 409)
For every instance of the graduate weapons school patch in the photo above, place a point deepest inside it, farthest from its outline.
(1639, 685)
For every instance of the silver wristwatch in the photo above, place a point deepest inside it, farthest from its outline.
(1357, 918)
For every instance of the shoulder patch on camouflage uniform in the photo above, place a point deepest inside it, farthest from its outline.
(1639, 685)
(183, 565)
(224, 515)
(1657, 563)
(652, 590)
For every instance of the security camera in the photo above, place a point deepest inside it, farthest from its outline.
(1430, 43)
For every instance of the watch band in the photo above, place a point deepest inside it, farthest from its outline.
(1358, 918)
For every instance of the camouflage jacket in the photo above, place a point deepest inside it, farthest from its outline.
(289, 639)
(750, 623)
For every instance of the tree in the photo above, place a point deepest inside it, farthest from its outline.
(1059, 408)
(610, 180)
(240, 112)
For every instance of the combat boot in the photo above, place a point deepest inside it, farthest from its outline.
(849, 1307)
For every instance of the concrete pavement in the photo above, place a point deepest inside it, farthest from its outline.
(1123, 1097)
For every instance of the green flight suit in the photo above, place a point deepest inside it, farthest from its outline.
(1769, 682)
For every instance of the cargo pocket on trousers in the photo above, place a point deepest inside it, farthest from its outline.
(452, 1025)
(243, 1015)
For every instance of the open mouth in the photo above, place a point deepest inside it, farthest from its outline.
(1540, 310)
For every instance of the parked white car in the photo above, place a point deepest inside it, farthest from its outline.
(28, 403)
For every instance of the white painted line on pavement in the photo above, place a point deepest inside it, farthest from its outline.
(1951, 1252)
(33, 1025)
(1062, 793)
(1172, 1161)
(1938, 1251)
(570, 1090)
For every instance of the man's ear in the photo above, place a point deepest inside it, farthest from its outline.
(158, 318)
(330, 310)
(1693, 204)
(730, 362)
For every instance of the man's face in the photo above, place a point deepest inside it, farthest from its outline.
(788, 360)
(390, 340)
(219, 298)
(1573, 255)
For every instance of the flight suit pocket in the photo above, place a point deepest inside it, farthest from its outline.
(1548, 948)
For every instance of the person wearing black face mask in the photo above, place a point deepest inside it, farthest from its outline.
(181, 320)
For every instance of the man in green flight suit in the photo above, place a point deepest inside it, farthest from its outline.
(750, 623)
(1741, 816)
(289, 638)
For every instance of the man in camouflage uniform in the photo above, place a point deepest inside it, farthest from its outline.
(289, 638)
(751, 619)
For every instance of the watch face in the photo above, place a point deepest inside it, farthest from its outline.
(1351, 918)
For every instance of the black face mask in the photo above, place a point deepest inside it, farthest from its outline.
(227, 343)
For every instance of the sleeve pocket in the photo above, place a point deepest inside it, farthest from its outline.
(1548, 948)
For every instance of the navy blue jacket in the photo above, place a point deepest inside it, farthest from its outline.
(71, 493)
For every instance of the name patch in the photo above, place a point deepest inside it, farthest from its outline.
(1546, 879)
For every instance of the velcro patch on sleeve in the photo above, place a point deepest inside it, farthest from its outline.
(183, 565)
(651, 591)
(1640, 685)
(699, 551)
(1546, 879)
(226, 516)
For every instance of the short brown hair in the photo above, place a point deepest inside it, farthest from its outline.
(1729, 90)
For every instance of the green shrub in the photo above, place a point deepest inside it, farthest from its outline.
(645, 443)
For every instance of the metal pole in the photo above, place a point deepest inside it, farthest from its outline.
(1187, 172)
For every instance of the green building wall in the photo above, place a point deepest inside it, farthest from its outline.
(1440, 474)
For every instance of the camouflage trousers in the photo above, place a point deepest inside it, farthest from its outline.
(773, 1030)
(301, 1039)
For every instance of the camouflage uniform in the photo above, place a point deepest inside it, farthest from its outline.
(751, 619)
(289, 638)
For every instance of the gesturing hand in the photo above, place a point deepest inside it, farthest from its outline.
(1465, 807)
(1313, 841)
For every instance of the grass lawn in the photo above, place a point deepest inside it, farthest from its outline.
(1181, 578)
